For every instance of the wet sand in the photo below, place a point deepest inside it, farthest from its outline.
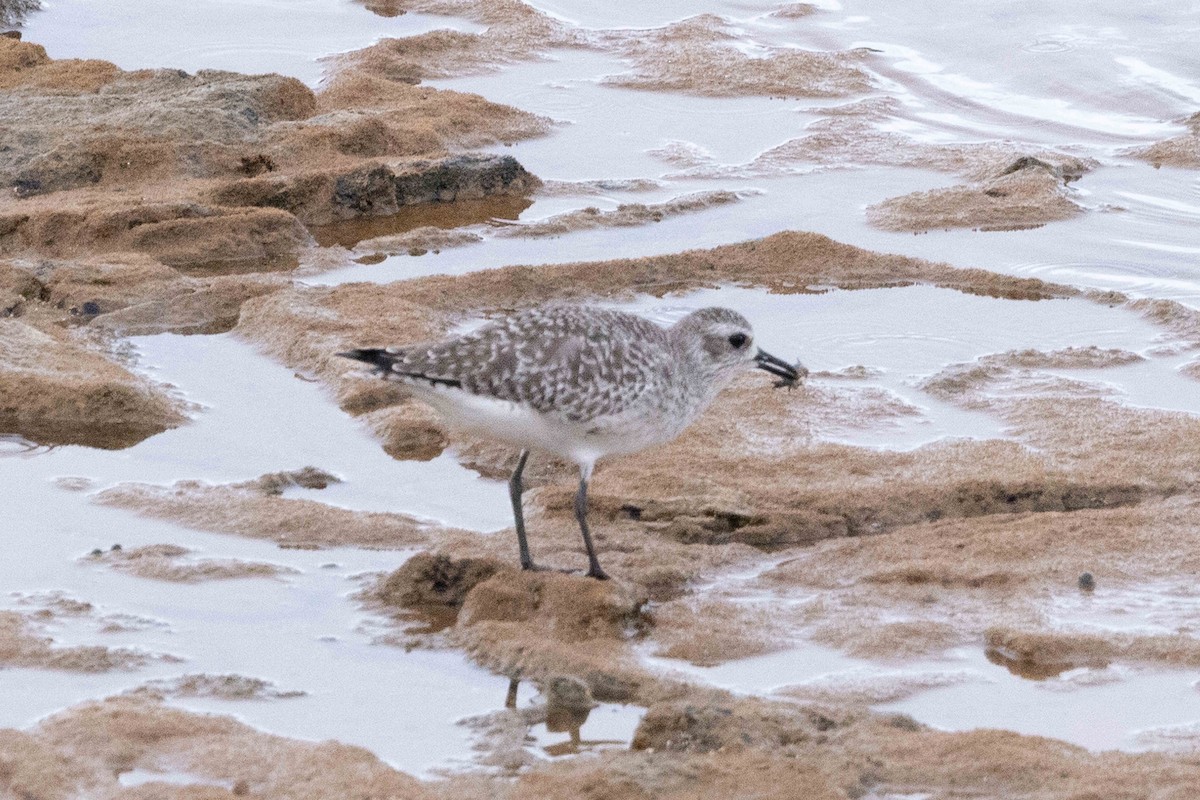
(985, 471)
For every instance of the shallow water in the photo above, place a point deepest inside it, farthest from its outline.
(252, 36)
(906, 334)
(1038, 74)
(1100, 709)
(302, 632)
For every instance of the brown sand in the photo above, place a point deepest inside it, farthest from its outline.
(226, 164)
(54, 391)
(164, 562)
(964, 559)
(1010, 187)
(627, 215)
(697, 56)
(83, 751)
(1180, 151)
(694, 56)
(515, 32)
(22, 645)
(256, 510)
(1023, 198)
(624, 216)
(701, 747)
(224, 687)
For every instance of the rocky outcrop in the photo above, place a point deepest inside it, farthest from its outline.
(376, 189)
(226, 169)
(55, 391)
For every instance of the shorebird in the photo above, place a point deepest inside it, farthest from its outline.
(580, 383)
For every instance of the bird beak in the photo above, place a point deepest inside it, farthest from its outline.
(788, 374)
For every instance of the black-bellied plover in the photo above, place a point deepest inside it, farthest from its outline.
(578, 382)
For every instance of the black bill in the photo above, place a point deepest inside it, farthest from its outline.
(789, 374)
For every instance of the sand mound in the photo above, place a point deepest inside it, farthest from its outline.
(21, 645)
(695, 56)
(627, 215)
(698, 56)
(54, 391)
(1028, 194)
(624, 216)
(224, 164)
(746, 725)
(84, 751)
(166, 562)
(702, 746)
(515, 32)
(127, 294)
(224, 687)
(371, 190)
(256, 510)
(1180, 151)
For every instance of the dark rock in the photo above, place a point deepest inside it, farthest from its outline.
(468, 177)
(321, 198)
(369, 191)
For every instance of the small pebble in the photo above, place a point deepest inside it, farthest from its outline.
(116, 548)
(1087, 582)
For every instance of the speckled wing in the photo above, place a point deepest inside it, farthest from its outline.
(574, 362)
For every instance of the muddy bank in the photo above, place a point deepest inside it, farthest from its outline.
(1180, 151)
(168, 562)
(708, 748)
(1028, 193)
(255, 509)
(515, 32)
(225, 687)
(697, 55)
(227, 167)
(128, 294)
(87, 749)
(828, 748)
(1009, 187)
(23, 643)
(420, 240)
(63, 379)
(54, 390)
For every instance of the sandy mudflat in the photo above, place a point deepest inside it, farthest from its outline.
(984, 470)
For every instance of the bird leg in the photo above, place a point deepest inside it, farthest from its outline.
(594, 570)
(514, 493)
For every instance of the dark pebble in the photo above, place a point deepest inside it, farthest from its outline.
(1087, 582)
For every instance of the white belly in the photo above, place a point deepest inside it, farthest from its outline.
(521, 426)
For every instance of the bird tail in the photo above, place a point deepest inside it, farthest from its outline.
(377, 357)
(385, 361)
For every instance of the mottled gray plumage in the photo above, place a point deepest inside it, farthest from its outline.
(578, 382)
(572, 362)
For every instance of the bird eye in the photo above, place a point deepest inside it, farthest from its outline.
(738, 340)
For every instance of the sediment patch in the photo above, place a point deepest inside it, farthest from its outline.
(169, 562)
(256, 509)
(1179, 151)
(53, 390)
(23, 645)
(1028, 193)
(227, 166)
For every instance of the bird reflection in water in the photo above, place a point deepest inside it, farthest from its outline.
(567, 704)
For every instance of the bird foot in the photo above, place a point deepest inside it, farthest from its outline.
(531, 567)
(597, 573)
